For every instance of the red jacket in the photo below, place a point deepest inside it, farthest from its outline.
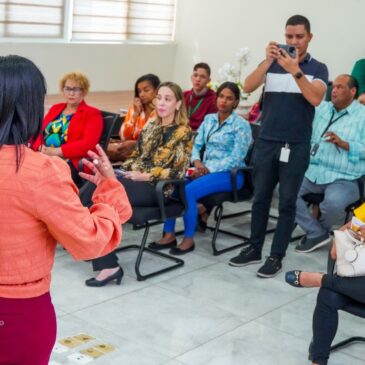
(84, 131)
(207, 106)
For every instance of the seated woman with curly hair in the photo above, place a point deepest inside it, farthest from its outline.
(72, 128)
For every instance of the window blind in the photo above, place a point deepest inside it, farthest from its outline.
(119, 20)
(31, 18)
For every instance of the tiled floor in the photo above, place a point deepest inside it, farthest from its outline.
(205, 313)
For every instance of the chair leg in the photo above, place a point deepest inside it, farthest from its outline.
(218, 216)
(347, 342)
(142, 249)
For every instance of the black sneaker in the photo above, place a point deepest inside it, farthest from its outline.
(247, 256)
(270, 268)
(307, 245)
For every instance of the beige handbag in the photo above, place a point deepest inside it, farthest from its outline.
(350, 254)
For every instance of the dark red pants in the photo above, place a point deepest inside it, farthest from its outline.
(27, 330)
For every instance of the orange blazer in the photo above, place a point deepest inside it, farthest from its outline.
(40, 206)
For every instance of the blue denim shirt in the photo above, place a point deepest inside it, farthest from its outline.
(331, 163)
(225, 146)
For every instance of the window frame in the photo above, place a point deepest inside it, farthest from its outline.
(66, 37)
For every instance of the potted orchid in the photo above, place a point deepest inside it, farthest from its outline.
(228, 72)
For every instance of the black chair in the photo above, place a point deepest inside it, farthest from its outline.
(87, 189)
(145, 217)
(217, 201)
(115, 131)
(110, 120)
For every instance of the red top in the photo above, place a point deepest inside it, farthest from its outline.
(198, 112)
(84, 131)
(40, 206)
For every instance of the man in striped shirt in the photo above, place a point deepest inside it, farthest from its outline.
(294, 83)
(337, 162)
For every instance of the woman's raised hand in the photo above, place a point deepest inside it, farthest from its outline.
(100, 166)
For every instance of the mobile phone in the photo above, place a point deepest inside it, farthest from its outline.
(290, 50)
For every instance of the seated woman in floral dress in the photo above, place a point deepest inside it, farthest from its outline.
(226, 138)
(162, 152)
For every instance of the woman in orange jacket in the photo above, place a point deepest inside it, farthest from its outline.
(39, 206)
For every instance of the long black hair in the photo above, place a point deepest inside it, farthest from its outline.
(152, 79)
(22, 92)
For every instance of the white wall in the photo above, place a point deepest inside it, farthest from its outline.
(109, 66)
(212, 31)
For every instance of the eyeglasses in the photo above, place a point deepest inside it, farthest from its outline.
(74, 90)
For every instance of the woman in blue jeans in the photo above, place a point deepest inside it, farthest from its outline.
(225, 138)
(334, 294)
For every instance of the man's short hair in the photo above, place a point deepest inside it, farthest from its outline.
(352, 83)
(203, 65)
(299, 20)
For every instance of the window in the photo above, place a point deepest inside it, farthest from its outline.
(29, 18)
(89, 20)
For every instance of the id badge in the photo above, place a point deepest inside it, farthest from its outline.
(284, 154)
(314, 149)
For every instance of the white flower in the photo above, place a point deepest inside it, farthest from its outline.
(243, 56)
(230, 73)
(227, 73)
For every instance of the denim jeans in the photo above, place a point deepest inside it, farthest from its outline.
(337, 196)
(336, 293)
(268, 171)
(196, 189)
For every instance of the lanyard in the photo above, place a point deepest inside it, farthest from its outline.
(190, 113)
(332, 121)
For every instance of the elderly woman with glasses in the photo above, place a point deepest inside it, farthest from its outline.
(71, 128)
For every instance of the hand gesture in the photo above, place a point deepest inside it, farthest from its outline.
(332, 137)
(289, 64)
(272, 52)
(100, 166)
(137, 176)
(138, 108)
(50, 151)
(200, 170)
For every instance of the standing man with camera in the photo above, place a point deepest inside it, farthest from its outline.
(294, 84)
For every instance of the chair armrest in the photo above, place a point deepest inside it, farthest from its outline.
(180, 184)
(234, 173)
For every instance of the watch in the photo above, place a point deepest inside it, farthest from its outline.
(298, 75)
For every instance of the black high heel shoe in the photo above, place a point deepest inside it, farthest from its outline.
(117, 276)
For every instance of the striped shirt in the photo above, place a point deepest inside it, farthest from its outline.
(330, 163)
(287, 116)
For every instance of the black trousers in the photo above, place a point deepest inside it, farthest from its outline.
(336, 293)
(140, 194)
(267, 172)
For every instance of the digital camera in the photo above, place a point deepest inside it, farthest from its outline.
(290, 50)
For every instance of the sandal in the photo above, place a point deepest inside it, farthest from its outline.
(293, 278)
